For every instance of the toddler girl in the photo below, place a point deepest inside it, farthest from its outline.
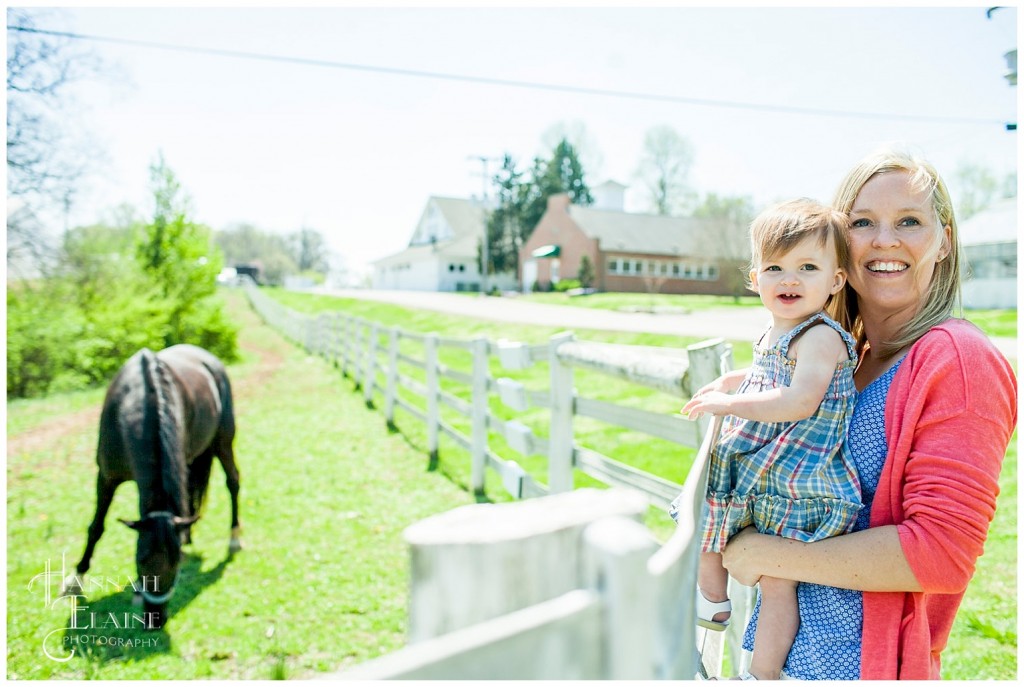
(781, 463)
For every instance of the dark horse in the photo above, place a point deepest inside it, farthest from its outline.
(166, 415)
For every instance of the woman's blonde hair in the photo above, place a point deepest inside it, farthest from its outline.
(943, 294)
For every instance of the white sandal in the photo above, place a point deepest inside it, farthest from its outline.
(706, 610)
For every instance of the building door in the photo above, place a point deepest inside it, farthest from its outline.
(529, 275)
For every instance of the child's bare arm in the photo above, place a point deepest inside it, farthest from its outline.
(727, 383)
(820, 350)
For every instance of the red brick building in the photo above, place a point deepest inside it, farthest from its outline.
(634, 252)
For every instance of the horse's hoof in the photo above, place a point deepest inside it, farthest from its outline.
(235, 545)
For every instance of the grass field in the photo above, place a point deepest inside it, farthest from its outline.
(326, 492)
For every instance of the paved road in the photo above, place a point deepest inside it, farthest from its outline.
(737, 324)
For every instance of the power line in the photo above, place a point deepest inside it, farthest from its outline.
(534, 85)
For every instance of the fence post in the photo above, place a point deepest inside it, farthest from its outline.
(618, 549)
(707, 361)
(369, 374)
(321, 335)
(560, 463)
(392, 376)
(335, 337)
(705, 366)
(351, 347)
(343, 343)
(485, 560)
(433, 410)
(357, 356)
(340, 334)
(478, 438)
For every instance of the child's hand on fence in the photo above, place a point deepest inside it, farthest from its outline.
(711, 402)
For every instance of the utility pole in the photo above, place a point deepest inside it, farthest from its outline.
(483, 160)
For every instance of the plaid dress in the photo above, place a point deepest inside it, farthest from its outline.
(792, 479)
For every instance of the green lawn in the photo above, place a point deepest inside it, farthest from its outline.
(326, 493)
(983, 644)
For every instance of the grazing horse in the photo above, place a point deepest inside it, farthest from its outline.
(165, 416)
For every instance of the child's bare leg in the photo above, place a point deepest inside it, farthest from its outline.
(713, 580)
(776, 628)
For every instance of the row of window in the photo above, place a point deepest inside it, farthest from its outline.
(662, 268)
(405, 266)
(992, 261)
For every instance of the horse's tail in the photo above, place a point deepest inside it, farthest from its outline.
(199, 480)
(163, 430)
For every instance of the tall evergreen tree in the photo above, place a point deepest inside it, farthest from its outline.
(522, 201)
(563, 173)
(504, 230)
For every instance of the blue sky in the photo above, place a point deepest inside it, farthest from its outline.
(355, 154)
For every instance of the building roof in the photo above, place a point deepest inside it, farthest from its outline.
(995, 224)
(462, 216)
(656, 234)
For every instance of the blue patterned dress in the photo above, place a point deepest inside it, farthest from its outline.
(828, 643)
(792, 479)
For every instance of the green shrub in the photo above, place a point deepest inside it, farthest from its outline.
(567, 284)
(42, 326)
(207, 326)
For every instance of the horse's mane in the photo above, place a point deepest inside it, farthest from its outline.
(170, 453)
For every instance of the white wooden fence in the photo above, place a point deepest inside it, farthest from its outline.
(565, 586)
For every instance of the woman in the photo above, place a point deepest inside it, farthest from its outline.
(936, 410)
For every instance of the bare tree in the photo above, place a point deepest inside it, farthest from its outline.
(664, 170)
(977, 187)
(44, 164)
(732, 246)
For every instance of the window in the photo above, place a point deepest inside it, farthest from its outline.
(613, 266)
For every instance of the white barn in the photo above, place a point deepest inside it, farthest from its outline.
(442, 253)
(989, 241)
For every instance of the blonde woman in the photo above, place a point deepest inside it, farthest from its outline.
(936, 408)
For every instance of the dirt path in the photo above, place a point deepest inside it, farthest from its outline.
(50, 432)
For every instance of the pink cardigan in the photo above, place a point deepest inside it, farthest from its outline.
(949, 415)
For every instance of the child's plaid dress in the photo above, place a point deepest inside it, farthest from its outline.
(793, 479)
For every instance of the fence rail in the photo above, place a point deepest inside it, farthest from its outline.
(381, 360)
(420, 374)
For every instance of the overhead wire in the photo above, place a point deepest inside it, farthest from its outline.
(492, 81)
